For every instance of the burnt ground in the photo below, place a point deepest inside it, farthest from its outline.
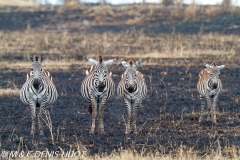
(168, 118)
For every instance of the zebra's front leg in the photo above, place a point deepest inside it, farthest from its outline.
(134, 115)
(94, 114)
(129, 115)
(213, 109)
(33, 112)
(209, 107)
(202, 108)
(101, 114)
(40, 118)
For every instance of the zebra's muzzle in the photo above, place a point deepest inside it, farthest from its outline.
(101, 87)
(215, 85)
(130, 89)
(36, 83)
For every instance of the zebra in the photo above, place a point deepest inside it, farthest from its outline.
(132, 89)
(38, 91)
(97, 87)
(209, 86)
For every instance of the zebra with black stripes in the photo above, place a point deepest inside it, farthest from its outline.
(133, 89)
(97, 87)
(209, 86)
(38, 91)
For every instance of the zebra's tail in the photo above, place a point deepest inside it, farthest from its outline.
(89, 109)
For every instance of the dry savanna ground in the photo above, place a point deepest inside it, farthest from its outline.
(175, 43)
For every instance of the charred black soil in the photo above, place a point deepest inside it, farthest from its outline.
(168, 118)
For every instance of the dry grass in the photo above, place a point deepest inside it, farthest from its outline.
(64, 51)
(47, 65)
(125, 44)
(22, 3)
(191, 11)
(180, 155)
(9, 92)
(142, 14)
(125, 15)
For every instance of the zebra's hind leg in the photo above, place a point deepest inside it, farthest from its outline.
(101, 115)
(33, 112)
(129, 115)
(202, 108)
(94, 114)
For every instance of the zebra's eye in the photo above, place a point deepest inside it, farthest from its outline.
(40, 69)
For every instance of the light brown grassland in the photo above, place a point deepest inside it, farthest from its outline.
(72, 49)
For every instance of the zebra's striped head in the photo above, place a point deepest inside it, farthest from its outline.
(214, 72)
(36, 70)
(130, 74)
(100, 72)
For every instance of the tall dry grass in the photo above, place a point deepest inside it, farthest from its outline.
(9, 92)
(67, 46)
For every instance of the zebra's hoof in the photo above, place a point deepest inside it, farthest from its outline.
(41, 133)
(32, 133)
(135, 133)
(91, 132)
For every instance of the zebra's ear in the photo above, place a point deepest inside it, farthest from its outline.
(32, 57)
(209, 66)
(41, 58)
(124, 63)
(221, 67)
(109, 62)
(94, 62)
(138, 63)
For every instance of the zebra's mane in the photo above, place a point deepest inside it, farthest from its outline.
(131, 62)
(213, 64)
(100, 59)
